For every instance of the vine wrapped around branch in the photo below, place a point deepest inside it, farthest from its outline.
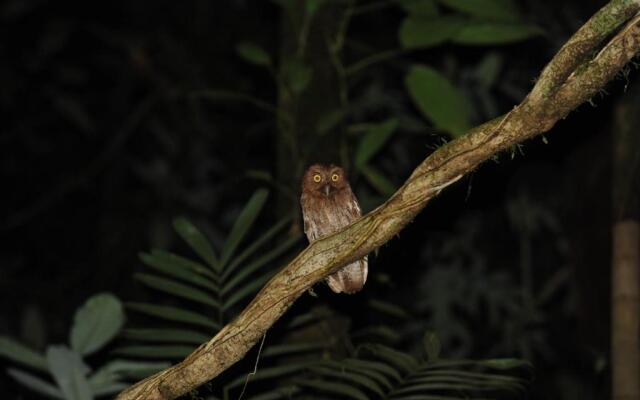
(568, 80)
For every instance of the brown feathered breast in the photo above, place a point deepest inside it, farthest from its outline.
(328, 204)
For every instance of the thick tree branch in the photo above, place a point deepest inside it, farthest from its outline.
(568, 80)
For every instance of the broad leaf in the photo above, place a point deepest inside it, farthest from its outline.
(19, 353)
(173, 314)
(180, 267)
(370, 372)
(420, 8)
(165, 335)
(243, 224)
(488, 33)
(246, 290)
(353, 378)
(69, 372)
(377, 366)
(395, 357)
(291, 348)
(428, 32)
(297, 75)
(431, 344)
(330, 120)
(253, 53)
(254, 246)
(177, 289)
(157, 351)
(123, 369)
(259, 262)
(190, 234)
(502, 10)
(438, 99)
(269, 372)
(381, 183)
(36, 384)
(373, 141)
(96, 323)
(334, 388)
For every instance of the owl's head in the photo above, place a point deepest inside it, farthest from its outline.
(324, 180)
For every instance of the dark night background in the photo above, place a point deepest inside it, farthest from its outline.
(108, 135)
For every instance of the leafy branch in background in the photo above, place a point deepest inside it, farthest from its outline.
(381, 372)
(442, 97)
(564, 84)
(207, 291)
(95, 325)
(462, 287)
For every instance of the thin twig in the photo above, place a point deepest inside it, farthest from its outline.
(255, 367)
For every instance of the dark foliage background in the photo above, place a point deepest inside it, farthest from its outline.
(103, 143)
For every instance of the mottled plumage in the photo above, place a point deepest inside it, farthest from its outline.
(328, 204)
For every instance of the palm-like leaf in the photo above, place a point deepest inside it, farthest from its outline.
(380, 372)
(211, 287)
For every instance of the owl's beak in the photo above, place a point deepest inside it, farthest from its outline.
(326, 189)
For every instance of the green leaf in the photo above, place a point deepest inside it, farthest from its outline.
(108, 388)
(157, 351)
(173, 314)
(383, 185)
(490, 33)
(352, 378)
(505, 363)
(281, 392)
(190, 234)
(373, 141)
(180, 267)
(123, 369)
(243, 224)
(247, 290)
(438, 99)
(19, 353)
(395, 357)
(166, 335)
(378, 333)
(269, 373)
(297, 75)
(431, 344)
(255, 246)
(330, 120)
(36, 384)
(390, 309)
(502, 10)
(253, 54)
(291, 349)
(488, 70)
(69, 372)
(424, 33)
(96, 323)
(312, 6)
(177, 289)
(377, 366)
(333, 388)
(420, 8)
(260, 262)
(367, 371)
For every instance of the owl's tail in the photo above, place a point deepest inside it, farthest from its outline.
(349, 279)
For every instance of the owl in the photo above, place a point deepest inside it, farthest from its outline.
(328, 204)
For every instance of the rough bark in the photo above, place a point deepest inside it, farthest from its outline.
(558, 91)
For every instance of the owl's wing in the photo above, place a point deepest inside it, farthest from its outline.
(310, 228)
(350, 207)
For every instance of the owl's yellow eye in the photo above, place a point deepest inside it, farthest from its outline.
(335, 177)
(317, 178)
